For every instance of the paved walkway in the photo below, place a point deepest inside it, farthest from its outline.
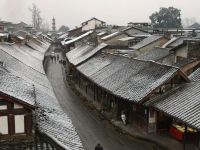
(164, 140)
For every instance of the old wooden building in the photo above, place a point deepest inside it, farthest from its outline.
(92, 23)
(178, 109)
(116, 84)
(17, 104)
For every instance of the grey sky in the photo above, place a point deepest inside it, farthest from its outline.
(73, 12)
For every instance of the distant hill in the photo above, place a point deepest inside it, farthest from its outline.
(63, 28)
(195, 25)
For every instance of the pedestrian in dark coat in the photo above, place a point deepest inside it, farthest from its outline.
(98, 147)
(51, 58)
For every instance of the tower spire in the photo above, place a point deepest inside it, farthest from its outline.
(53, 24)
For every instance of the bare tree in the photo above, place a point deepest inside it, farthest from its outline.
(45, 25)
(36, 18)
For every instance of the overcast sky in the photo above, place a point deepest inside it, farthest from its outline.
(73, 12)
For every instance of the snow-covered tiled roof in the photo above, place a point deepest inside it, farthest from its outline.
(15, 65)
(154, 54)
(79, 37)
(110, 35)
(20, 54)
(55, 123)
(17, 88)
(174, 42)
(126, 38)
(63, 36)
(82, 53)
(195, 76)
(129, 79)
(36, 46)
(44, 35)
(101, 33)
(3, 34)
(20, 37)
(51, 119)
(146, 41)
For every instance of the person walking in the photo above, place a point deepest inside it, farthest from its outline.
(123, 117)
(98, 147)
(54, 57)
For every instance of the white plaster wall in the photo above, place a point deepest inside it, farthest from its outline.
(19, 124)
(16, 106)
(152, 122)
(91, 25)
(3, 107)
(153, 118)
(182, 52)
(4, 124)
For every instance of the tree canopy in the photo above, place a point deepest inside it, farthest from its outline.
(166, 18)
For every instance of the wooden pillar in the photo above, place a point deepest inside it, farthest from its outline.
(102, 99)
(36, 142)
(198, 140)
(115, 108)
(41, 144)
(11, 124)
(185, 138)
(47, 145)
(147, 118)
(86, 87)
(79, 80)
(94, 90)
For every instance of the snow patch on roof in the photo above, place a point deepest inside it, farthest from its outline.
(110, 35)
(79, 37)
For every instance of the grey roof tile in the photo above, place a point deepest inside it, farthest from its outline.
(79, 37)
(146, 41)
(82, 53)
(51, 119)
(130, 79)
(154, 54)
(24, 57)
(195, 76)
(176, 42)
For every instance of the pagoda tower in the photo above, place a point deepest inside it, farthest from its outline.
(53, 24)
